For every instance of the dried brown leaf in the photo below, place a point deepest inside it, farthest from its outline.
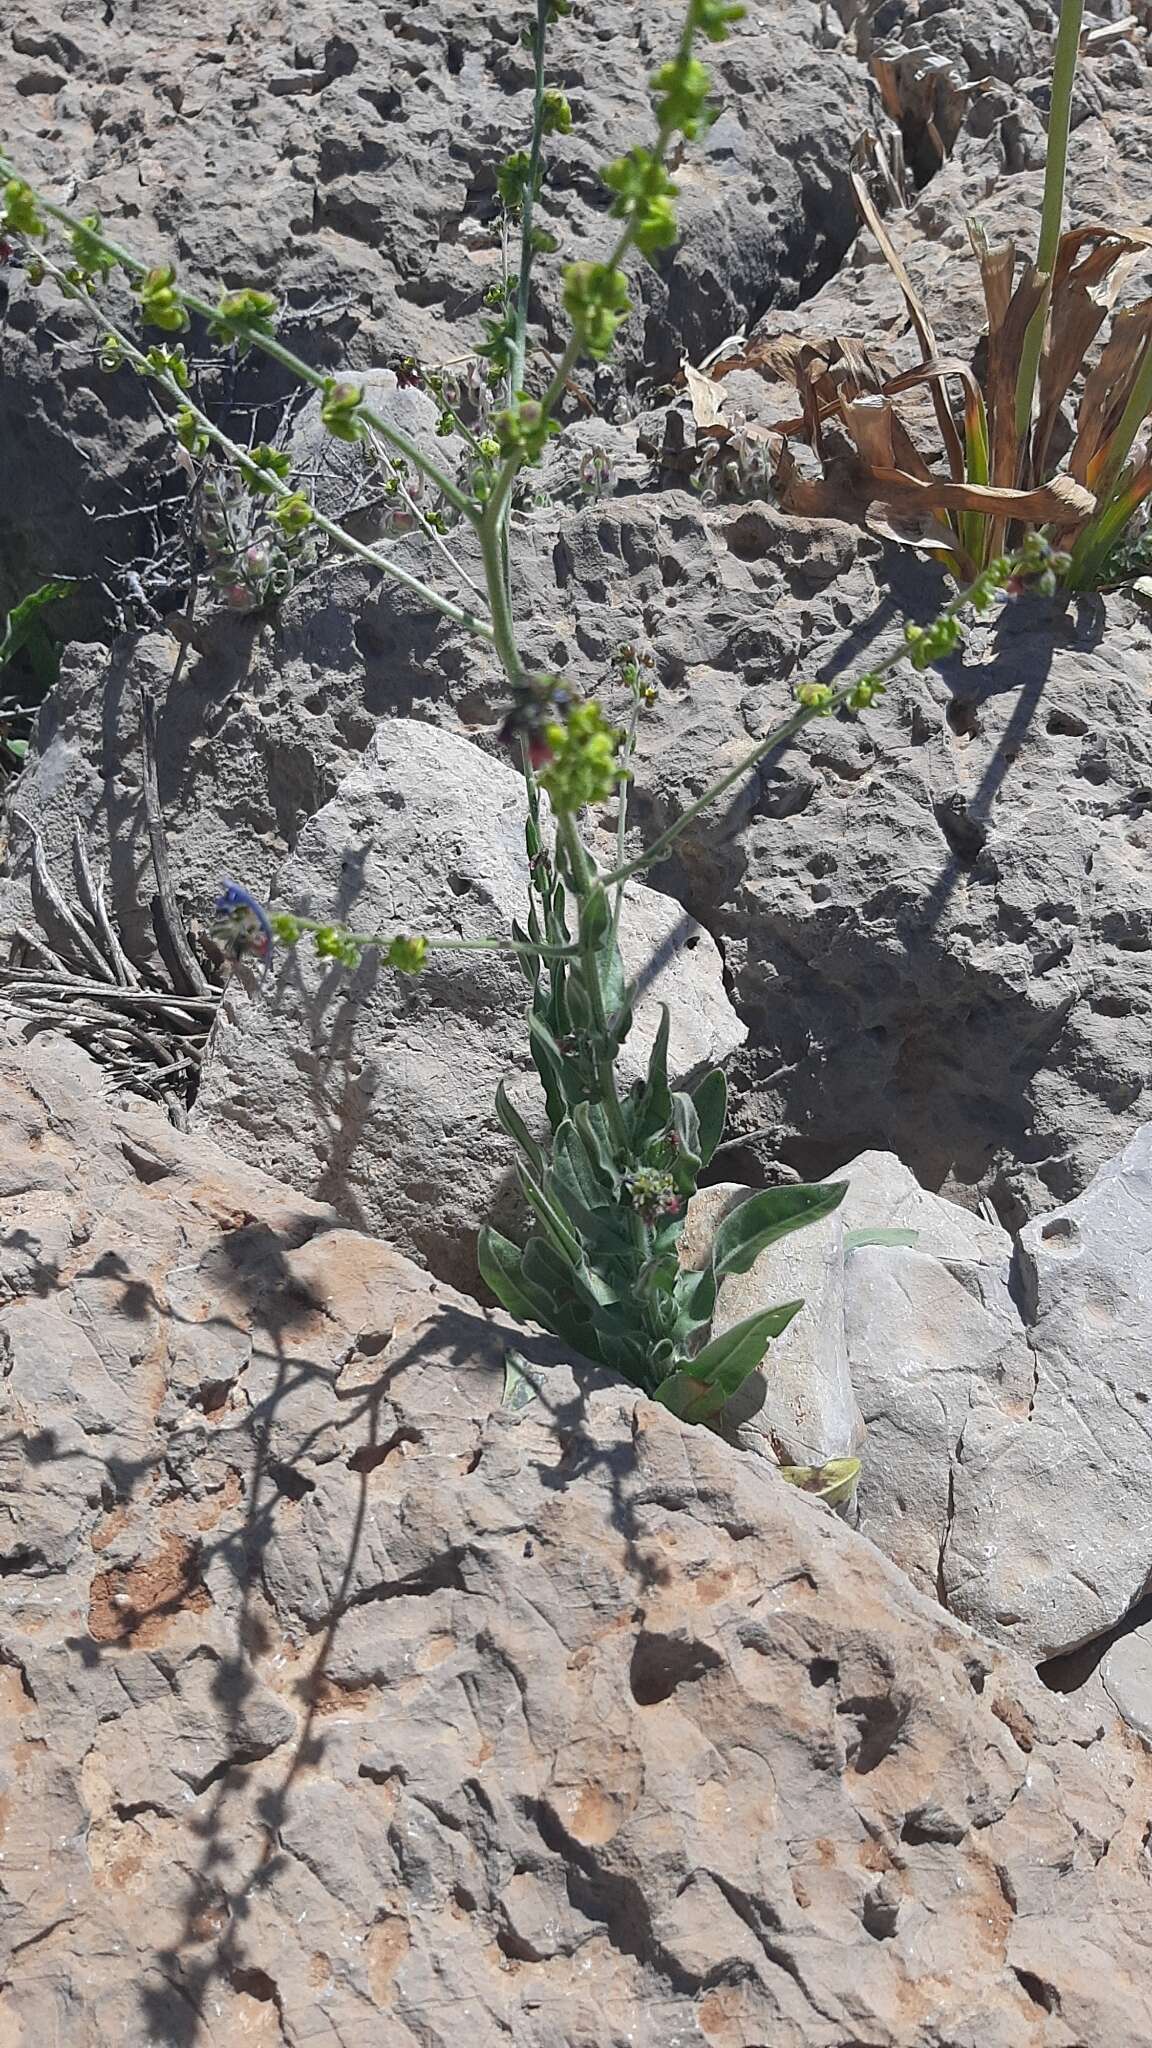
(777, 358)
(708, 401)
(1106, 390)
(1061, 503)
(1088, 255)
(915, 530)
(953, 445)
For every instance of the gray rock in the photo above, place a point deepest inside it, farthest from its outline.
(1050, 1519)
(392, 1712)
(1126, 1675)
(345, 478)
(930, 1365)
(884, 1195)
(375, 1091)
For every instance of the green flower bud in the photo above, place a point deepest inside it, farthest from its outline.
(866, 692)
(681, 90)
(160, 302)
(332, 942)
(293, 515)
(926, 644)
(512, 179)
(583, 758)
(557, 113)
(816, 697)
(190, 433)
(288, 929)
(242, 313)
(263, 463)
(20, 211)
(713, 18)
(407, 955)
(596, 301)
(111, 353)
(160, 362)
(341, 403)
(644, 195)
(92, 258)
(523, 430)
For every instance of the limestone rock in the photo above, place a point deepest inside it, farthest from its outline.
(375, 1091)
(1051, 1515)
(1126, 1675)
(354, 1705)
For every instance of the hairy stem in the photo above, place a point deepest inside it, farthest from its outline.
(778, 737)
(580, 874)
(275, 485)
(524, 281)
(269, 346)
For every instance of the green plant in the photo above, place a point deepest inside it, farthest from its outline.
(609, 1190)
(23, 632)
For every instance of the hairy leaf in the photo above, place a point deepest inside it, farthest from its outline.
(749, 1229)
(501, 1268)
(853, 1239)
(711, 1099)
(514, 1124)
(700, 1389)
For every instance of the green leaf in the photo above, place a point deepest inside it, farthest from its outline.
(686, 1125)
(551, 1218)
(553, 1279)
(17, 748)
(711, 1099)
(701, 1388)
(653, 1104)
(512, 1121)
(748, 1230)
(696, 1295)
(592, 1123)
(501, 1269)
(24, 628)
(519, 1388)
(528, 963)
(552, 1067)
(595, 917)
(853, 1239)
(575, 1174)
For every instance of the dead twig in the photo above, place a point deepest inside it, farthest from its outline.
(170, 933)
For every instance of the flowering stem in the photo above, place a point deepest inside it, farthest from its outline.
(275, 485)
(524, 283)
(380, 942)
(503, 633)
(580, 875)
(778, 737)
(269, 346)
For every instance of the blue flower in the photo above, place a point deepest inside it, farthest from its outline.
(242, 924)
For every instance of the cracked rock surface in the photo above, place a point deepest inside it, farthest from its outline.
(342, 1703)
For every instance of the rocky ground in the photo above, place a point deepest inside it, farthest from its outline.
(348, 1696)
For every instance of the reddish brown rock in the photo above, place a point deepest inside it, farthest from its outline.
(430, 1721)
